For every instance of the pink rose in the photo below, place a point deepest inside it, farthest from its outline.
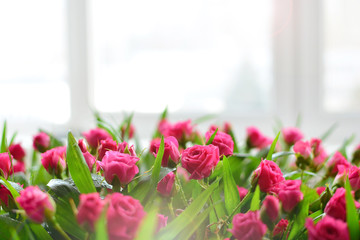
(270, 209)
(290, 194)
(292, 135)
(268, 175)
(318, 151)
(82, 145)
(106, 145)
(171, 150)
(120, 165)
(5, 164)
(53, 160)
(38, 205)
(165, 186)
(200, 160)
(327, 228)
(5, 195)
(354, 177)
(223, 141)
(124, 216)
(335, 161)
(17, 151)
(18, 167)
(131, 131)
(336, 207)
(89, 210)
(94, 136)
(256, 139)
(179, 130)
(242, 192)
(320, 190)
(227, 127)
(124, 147)
(90, 160)
(248, 226)
(280, 228)
(303, 149)
(162, 222)
(41, 142)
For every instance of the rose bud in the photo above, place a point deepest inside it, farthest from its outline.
(268, 175)
(269, 211)
(106, 145)
(119, 165)
(255, 139)
(41, 142)
(94, 136)
(248, 226)
(164, 127)
(131, 131)
(171, 150)
(334, 162)
(82, 145)
(354, 178)
(318, 152)
(90, 160)
(327, 228)
(227, 127)
(38, 205)
(336, 207)
(181, 130)
(356, 155)
(200, 160)
(5, 198)
(242, 192)
(292, 135)
(17, 151)
(223, 141)
(162, 222)
(280, 228)
(124, 216)
(18, 167)
(124, 147)
(303, 152)
(53, 160)
(165, 186)
(290, 194)
(5, 164)
(89, 210)
(320, 190)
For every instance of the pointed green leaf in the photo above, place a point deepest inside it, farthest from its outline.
(3, 147)
(148, 226)
(39, 232)
(157, 164)
(211, 139)
(352, 217)
(204, 118)
(13, 138)
(255, 201)
(281, 154)
(187, 216)
(272, 147)
(196, 223)
(329, 131)
(236, 148)
(101, 230)
(231, 192)
(164, 114)
(12, 187)
(78, 168)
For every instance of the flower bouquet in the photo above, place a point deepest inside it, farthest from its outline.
(184, 185)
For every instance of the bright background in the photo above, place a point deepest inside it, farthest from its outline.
(249, 62)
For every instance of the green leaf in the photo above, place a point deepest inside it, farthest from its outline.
(148, 226)
(3, 147)
(329, 131)
(231, 192)
(13, 138)
(101, 230)
(107, 127)
(236, 147)
(39, 232)
(204, 118)
(255, 201)
(157, 164)
(211, 139)
(352, 217)
(164, 114)
(281, 154)
(39, 176)
(346, 143)
(7, 223)
(187, 216)
(195, 225)
(272, 147)
(14, 188)
(78, 168)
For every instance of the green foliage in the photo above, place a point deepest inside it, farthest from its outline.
(148, 226)
(255, 202)
(231, 192)
(211, 139)
(78, 168)
(352, 217)
(3, 147)
(272, 147)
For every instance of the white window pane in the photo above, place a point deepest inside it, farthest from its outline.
(192, 55)
(32, 61)
(342, 56)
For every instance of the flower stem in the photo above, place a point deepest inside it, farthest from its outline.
(183, 197)
(58, 228)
